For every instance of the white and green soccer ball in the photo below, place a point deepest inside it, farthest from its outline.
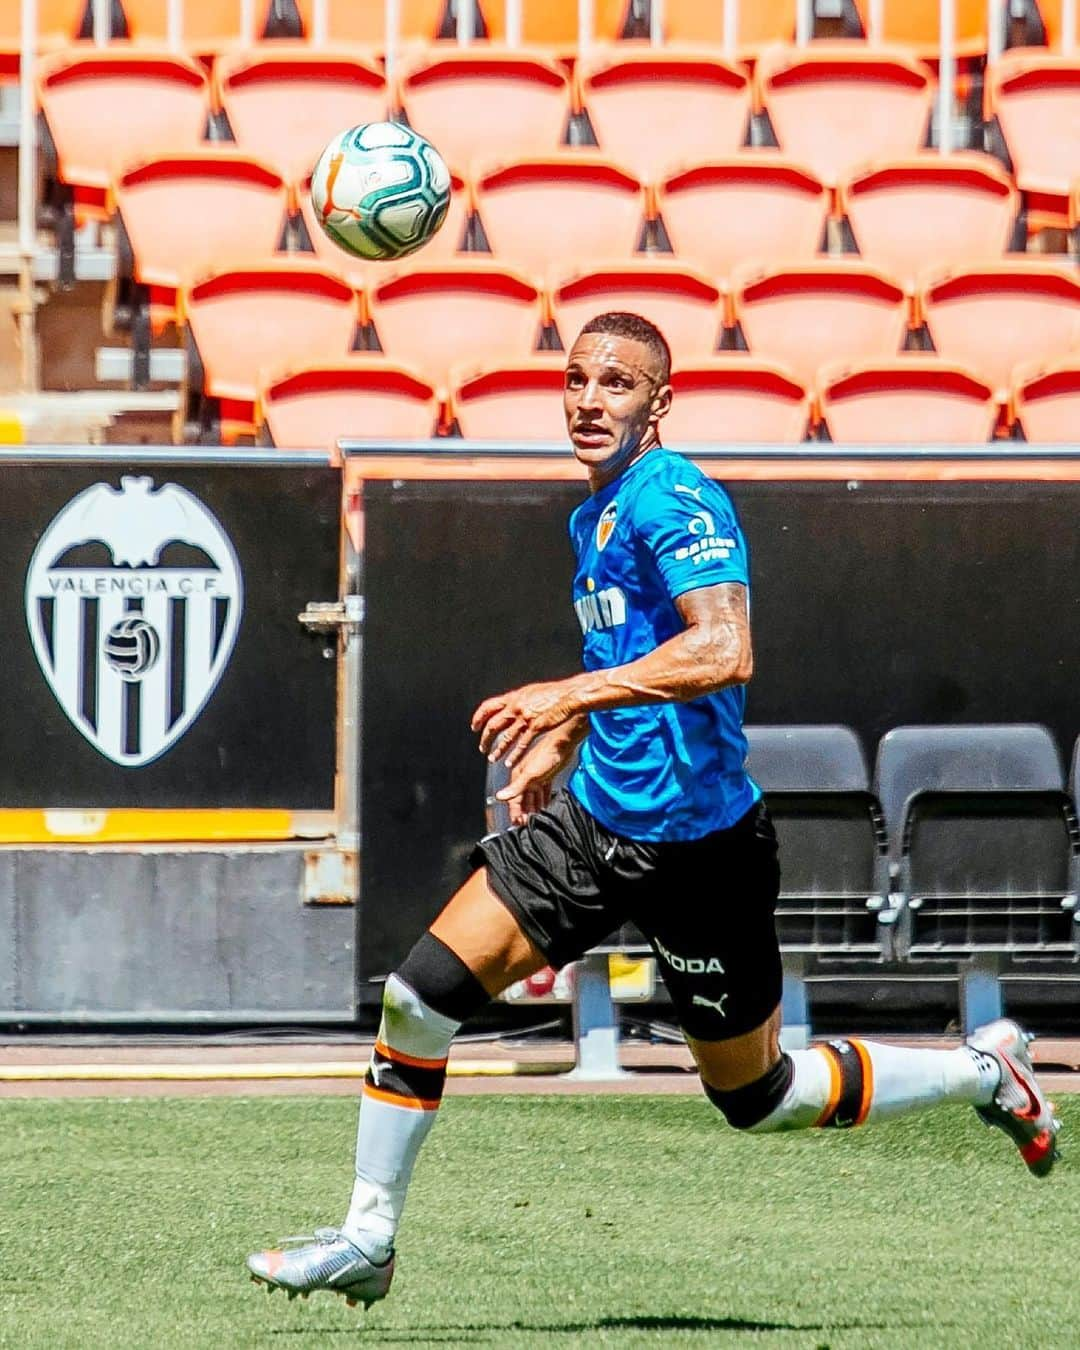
(380, 190)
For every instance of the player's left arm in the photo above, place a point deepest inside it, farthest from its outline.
(711, 652)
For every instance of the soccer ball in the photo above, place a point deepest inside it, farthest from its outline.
(132, 647)
(380, 190)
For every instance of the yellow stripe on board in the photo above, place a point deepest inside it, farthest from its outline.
(204, 1073)
(135, 826)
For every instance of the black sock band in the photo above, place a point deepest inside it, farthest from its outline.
(442, 979)
(852, 1080)
(750, 1104)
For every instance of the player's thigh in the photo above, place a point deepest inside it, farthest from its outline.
(481, 931)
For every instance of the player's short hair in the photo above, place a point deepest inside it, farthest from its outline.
(621, 324)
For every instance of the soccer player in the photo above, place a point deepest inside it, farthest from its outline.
(660, 824)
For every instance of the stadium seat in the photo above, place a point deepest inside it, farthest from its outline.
(1050, 11)
(359, 396)
(834, 884)
(985, 839)
(482, 104)
(284, 107)
(59, 24)
(930, 211)
(1046, 401)
(109, 109)
(684, 304)
(207, 26)
(539, 210)
(812, 313)
(446, 243)
(433, 316)
(757, 22)
(992, 317)
(554, 23)
(184, 216)
(916, 24)
(735, 397)
(1035, 98)
(911, 400)
(720, 215)
(244, 323)
(658, 111)
(836, 107)
(364, 24)
(519, 402)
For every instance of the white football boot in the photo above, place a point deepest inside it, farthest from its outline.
(1019, 1107)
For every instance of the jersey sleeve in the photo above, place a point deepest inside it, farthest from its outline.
(690, 528)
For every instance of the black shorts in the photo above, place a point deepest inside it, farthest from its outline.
(705, 905)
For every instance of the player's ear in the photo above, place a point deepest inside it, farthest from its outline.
(661, 402)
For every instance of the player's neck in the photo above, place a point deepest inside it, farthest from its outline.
(602, 475)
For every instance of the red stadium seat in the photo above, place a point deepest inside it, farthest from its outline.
(285, 106)
(683, 304)
(364, 24)
(835, 107)
(538, 210)
(658, 111)
(911, 400)
(1036, 100)
(758, 207)
(359, 396)
(1051, 12)
(934, 210)
(480, 104)
(190, 214)
(806, 315)
(1046, 401)
(916, 24)
(554, 23)
(59, 24)
(518, 402)
(992, 317)
(434, 315)
(263, 318)
(735, 397)
(207, 26)
(758, 22)
(108, 109)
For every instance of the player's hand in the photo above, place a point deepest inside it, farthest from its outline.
(529, 788)
(509, 723)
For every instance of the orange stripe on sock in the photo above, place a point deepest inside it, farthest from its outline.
(835, 1084)
(396, 1099)
(381, 1048)
(867, 1081)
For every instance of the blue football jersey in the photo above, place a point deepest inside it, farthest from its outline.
(661, 771)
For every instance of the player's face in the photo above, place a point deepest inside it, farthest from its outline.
(614, 395)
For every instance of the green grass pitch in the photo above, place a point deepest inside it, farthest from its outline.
(536, 1221)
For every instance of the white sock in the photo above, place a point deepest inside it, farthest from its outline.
(401, 1095)
(847, 1082)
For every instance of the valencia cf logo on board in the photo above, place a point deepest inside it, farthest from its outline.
(133, 601)
(606, 524)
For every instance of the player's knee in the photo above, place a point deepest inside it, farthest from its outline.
(433, 980)
(756, 1106)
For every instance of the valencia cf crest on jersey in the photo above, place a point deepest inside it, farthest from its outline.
(606, 524)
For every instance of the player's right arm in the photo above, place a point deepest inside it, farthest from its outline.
(529, 788)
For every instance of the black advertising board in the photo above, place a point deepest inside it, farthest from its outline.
(152, 654)
(874, 604)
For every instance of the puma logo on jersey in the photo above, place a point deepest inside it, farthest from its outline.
(690, 492)
(601, 609)
(717, 1003)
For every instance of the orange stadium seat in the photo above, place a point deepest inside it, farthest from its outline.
(207, 26)
(1051, 13)
(835, 107)
(364, 23)
(756, 207)
(554, 23)
(912, 399)
(108, 109)
(758, 22)
(658, 111)
(190, 214)
(810, 313)
(285, 106)
(521, 401)
(933, 210)
(1046, 401)
(1036, 100)
(479, 104)
(735, 397)
(262, 318)
(59, 23)
(539, 210)
(683, 304)
(447, 243)
(992, 317)
(917, 24)
(359, 396)
(434, 315)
